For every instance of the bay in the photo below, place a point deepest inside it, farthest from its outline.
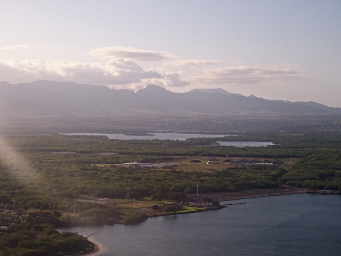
(278, 226)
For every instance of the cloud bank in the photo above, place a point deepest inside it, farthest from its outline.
(247, 75)
(13, 47)
(130, 53)
(135, 68)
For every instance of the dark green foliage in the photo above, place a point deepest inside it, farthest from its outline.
(37, 240)
(320, 170)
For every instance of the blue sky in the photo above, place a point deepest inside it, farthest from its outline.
(277, 49)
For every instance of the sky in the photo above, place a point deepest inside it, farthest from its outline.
(285, 49)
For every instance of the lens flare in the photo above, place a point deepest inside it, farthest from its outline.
(15, 164)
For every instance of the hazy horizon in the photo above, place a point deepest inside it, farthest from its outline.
(285, 50)
(48, 83)
(183, 127)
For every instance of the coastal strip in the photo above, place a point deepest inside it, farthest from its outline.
(99, 248)
(254, 193)
(225, 197)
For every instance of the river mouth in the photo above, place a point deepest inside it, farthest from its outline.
(286, 225)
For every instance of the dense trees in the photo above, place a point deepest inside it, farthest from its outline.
(319, 170)
(39, 240)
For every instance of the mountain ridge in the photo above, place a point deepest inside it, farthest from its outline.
(64, 98)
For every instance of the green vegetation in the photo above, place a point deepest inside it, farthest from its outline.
(320, 170)
(189, 209)
(78, 181)
(38, 240)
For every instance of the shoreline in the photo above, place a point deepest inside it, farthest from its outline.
(234, 196)
(224, 197)
(99, 248)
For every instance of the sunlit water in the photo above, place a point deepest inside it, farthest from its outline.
(153, 136)
(179, 137)
(243, 144)
(295, 225)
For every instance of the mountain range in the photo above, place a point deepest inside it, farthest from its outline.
(47, 98)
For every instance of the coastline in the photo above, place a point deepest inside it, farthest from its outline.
(256, 193)
(235, 196)
(223, 197)
(99, 248)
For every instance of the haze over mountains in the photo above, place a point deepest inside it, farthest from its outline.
(47, 98)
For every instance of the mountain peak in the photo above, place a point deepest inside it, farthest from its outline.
(213, 90)
(153, 89)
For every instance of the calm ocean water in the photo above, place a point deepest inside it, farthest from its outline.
(296, 225)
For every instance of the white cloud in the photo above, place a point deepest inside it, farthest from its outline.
(12, 74)
(124, 67)
(246, 75)
(111, 73)
(13, 47)
(130, 53)
(171, 80)
(197, 62)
